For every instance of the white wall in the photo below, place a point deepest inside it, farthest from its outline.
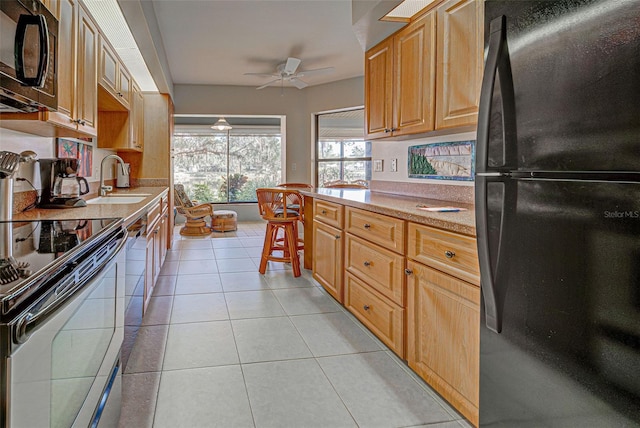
(297, 105)
(388, 150)
(45, 147)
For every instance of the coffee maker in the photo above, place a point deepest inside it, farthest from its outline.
(61, 187)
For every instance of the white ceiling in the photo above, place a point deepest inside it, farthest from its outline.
(213, 42)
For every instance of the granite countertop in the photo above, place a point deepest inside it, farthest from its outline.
(128, 212)
(404, 207)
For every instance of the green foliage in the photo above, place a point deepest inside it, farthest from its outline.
(420, 165)
(236, 182)
(202, 193)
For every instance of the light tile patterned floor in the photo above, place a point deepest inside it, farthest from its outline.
(223, 346)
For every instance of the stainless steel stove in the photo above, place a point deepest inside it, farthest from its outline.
(61, 320)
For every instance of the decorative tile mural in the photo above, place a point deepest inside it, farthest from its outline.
(443, 161)
(68, 148)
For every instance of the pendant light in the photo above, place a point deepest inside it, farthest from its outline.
(222, 125)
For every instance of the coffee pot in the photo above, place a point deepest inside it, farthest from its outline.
(70, 187)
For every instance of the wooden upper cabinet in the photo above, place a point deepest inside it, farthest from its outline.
(427, 76)
(137, 118)
(65, 11)
(414, 86)
(460, 62)
(77, 112)
(400, 81)
(378, 93)
(113, 76)
(86, 112)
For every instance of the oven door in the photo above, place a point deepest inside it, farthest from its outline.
(62, 373)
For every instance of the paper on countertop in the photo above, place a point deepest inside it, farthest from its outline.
(440, 209)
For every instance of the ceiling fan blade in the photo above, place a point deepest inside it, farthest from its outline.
(292, 65)
(262, 74)
(267, 84)
(317, 71)
(300, 84)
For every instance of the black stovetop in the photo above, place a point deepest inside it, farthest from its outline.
(31, 249)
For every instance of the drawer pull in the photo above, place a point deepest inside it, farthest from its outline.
(367, 264)
(324, 212)
(366, 307)
(449, 254)
(408, 271)
(337, 236)
(367, 226)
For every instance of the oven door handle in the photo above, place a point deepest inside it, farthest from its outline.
(31, 322)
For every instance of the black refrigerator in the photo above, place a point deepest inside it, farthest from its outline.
(558, 214)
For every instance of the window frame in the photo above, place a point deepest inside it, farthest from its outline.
(341, 159)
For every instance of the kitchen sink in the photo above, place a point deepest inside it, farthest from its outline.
(106, 200)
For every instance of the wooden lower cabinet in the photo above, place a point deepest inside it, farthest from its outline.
(443, 335)
(383, 317)
(328, 258)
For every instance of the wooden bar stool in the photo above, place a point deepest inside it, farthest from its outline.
(272, 203)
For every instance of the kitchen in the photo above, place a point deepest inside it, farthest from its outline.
(149, 167)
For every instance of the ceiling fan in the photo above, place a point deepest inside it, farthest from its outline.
(288, 72)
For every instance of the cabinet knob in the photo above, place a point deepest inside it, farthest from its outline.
(337, 236)
(323, 211)
(367, 226)
(83, 123)
(366, 307)
(387, 130)
(449, 254)
(394, 129)
(408, 271)
(367, 264)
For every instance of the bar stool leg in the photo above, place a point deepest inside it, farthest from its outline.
(292, 242)
(267, 248)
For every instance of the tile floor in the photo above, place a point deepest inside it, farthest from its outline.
(223, 346)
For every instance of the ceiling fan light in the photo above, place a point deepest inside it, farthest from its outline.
(221, 125)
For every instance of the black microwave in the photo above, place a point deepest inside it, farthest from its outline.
(28, 63)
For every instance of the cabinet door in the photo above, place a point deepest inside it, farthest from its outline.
(137, 118)
(327, 261)
(108, 70)
(67, 25)
(460, 62)
(414, 74)
(378, 96)
(124, 86)
(87, 76)
(443, 335)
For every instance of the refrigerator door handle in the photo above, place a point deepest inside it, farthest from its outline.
(498, 63)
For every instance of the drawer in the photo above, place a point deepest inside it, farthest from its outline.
(328, 213)
(380, 229)
(383, 317)
(448, 252)
(153, 214)
(164, 202)
(381, 269)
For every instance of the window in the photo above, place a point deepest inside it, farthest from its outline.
(226, 166)
(341, 152)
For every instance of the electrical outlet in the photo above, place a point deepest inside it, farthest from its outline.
(394, 165)
(377, 165)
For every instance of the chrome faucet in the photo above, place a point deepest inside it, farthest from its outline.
(104, 189)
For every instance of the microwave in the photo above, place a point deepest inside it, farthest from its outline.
(28, 63)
